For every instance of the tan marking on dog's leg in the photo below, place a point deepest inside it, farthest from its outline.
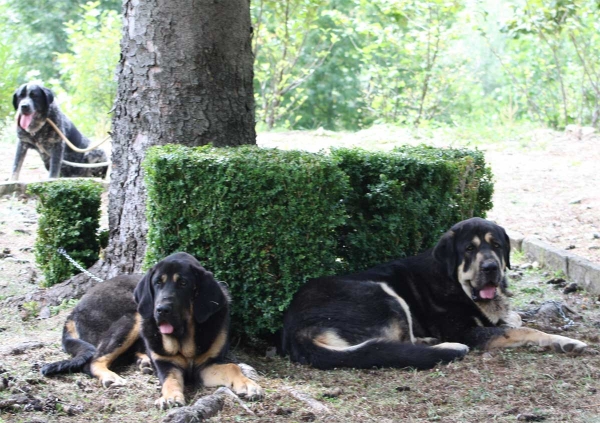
(99, 366)
(330, 340)
(516, 337)
(71, 329)
(388, 290)
(231, 376)
(172, 391)
(214, 350)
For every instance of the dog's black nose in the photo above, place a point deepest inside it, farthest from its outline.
(489, 266)
(26, 108)
(164, 309)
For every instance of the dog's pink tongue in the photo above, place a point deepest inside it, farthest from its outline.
(165, 328)
(25, 120)
(488, 292)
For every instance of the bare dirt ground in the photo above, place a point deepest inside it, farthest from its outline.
(546, 184)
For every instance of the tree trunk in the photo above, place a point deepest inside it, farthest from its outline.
(185, 77)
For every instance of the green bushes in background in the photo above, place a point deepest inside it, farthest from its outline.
(265, 220)
(262, 220)
(69, 214)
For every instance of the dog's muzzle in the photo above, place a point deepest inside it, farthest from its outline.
(162, 314)
(489, 281)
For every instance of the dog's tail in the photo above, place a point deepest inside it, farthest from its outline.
(81, 351)
(375, 353)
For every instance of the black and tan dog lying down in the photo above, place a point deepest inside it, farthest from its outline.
(385, 316)
(175, 320)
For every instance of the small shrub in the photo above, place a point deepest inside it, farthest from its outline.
(403, 201)
(265, 220)
(262, 220)
(69, 214)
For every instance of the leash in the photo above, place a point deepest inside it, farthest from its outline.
(62, 252)
(71, 145)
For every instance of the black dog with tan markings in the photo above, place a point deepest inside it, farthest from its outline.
(175, 320)
(102, 329)
(185, 325)
(385, 316)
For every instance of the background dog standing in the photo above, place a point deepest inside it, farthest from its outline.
(181, 329)
(34, 104)
(454, 293)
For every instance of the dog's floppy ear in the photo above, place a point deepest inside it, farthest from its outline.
(144, 295)
(208, 295)
(506, 248)
(16, 95)
(445, 253)
(49, 95)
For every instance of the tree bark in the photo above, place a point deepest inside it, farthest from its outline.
(185, 77)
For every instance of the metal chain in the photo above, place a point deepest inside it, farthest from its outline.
(62, 252)
(561, 311)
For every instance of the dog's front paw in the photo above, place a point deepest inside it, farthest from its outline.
(174, 399)
(567, 345)
(112, 380)
(145, 364)
(248, 389)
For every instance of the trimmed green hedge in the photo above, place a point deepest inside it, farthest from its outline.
(403, 201)
(265, 220)
(261, 220)
(69, 215)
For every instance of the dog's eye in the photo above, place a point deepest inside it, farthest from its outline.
(182, 282)
(470, 247)
(496, 245)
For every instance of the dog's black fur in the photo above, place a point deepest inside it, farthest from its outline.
(102, 324)
(34, 104)
(454, 293)
(176, 320)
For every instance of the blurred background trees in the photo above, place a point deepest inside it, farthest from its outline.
(345, 64)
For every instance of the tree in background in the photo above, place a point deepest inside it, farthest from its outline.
(289, 47)
(551, 60)
(185, 77)
(41, 29)
(88, 69)
(10, 68)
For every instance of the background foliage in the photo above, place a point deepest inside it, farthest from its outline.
(346, 64)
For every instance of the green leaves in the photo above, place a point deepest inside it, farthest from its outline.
(69, 215)
(265, 220)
